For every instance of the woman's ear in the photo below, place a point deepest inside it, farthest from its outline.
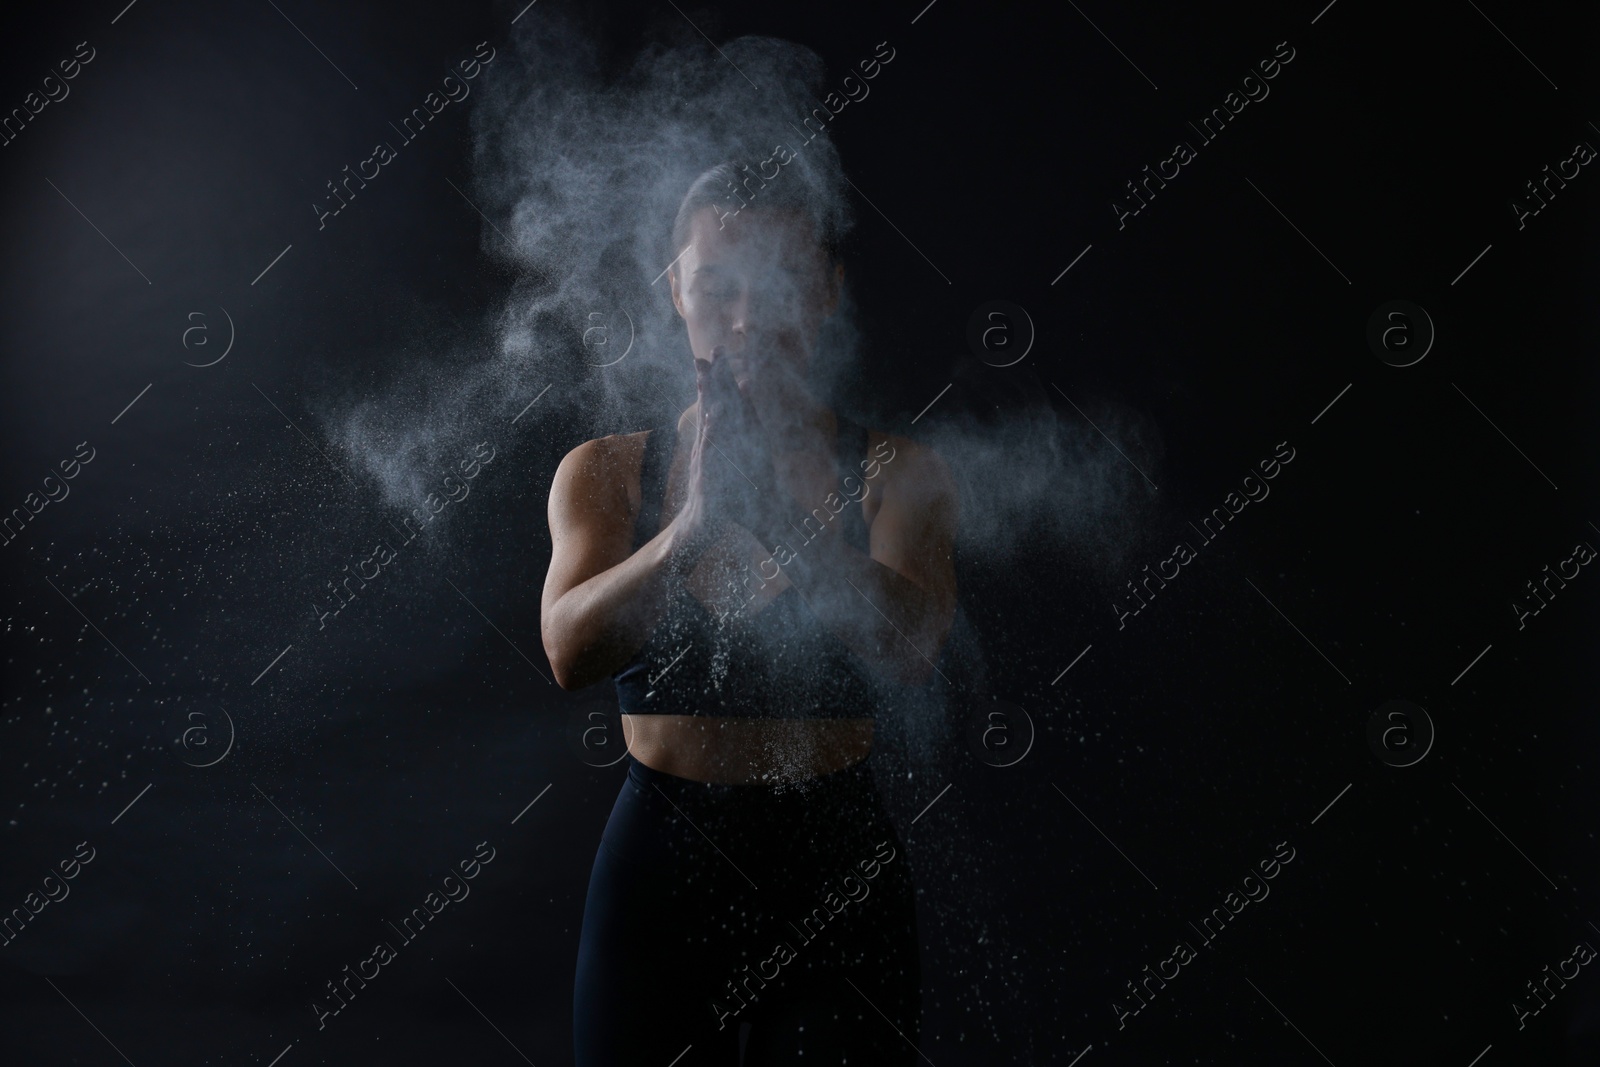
(677, 298)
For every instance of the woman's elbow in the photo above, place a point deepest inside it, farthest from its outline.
(566, 668)
(564, 676)
(567, 661)
(561, 654)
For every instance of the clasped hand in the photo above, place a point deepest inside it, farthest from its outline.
(732, 476)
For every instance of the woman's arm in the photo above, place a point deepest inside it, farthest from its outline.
(601, 599)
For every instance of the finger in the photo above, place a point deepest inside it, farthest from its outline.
(702, 388)
(706, 369)
(707, 392)
(721, 394)
(730, 396)
(722, 379)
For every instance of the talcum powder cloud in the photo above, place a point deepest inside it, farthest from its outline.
(580, 165)
(580, 170)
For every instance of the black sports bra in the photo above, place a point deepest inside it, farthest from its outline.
(776, 663)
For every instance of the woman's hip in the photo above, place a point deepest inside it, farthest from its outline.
(699, 848)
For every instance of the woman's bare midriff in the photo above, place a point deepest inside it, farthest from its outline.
(736, 751)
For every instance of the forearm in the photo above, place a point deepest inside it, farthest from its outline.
(596, 627)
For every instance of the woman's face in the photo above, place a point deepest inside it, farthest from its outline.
(755, 291)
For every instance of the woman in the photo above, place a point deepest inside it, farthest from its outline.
(755, 579)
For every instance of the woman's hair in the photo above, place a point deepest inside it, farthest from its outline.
(732, 186)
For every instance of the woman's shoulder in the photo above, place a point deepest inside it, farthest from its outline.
(601, 464)
(598, 454)
(907, 470)
(612, 464)
(906, 456)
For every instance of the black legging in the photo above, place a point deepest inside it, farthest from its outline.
(715, 906)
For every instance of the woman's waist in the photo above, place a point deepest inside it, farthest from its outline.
(823, 690)
(695, 667)
(747, 750)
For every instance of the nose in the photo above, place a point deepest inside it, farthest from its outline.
(758, 313)
(746, 314)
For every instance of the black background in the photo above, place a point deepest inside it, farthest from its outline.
(1196, 739)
